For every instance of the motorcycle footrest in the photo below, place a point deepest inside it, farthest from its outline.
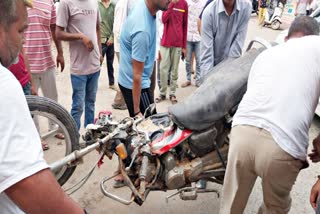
(188, 195)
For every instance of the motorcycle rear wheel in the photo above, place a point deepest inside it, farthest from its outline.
(47, 109)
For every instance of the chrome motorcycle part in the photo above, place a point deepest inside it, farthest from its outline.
(190, 193)
(175, 178)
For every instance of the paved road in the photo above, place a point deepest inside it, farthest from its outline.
(90, 197)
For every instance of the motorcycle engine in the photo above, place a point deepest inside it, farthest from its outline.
(202, 143)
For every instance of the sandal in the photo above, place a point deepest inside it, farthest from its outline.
(44, 145)
(118, 183)
(160, 98)
(173, 99)
(59, 136)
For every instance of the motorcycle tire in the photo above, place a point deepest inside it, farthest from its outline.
(50, 109)
(275, 25)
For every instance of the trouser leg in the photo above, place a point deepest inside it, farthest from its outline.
(240, 175)
(90, 97)
(165, 65)
(175, 59)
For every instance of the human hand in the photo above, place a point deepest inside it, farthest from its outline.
(87, 42)
(33, 90)
(60, 61)
(174, 1)
(159, 55)
(109, 43)
(184, 51)
(101, 59)
(315, 154)
(315, 194)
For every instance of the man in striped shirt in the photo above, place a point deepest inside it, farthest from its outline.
(38, 38)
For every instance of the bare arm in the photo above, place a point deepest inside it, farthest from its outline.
(136, 88)
(66, 36)
(40, 193)
(60, 59)
(199, 24)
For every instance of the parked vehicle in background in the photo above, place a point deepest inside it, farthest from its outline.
(274, 14)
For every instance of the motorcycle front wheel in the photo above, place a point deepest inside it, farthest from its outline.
(52, 119)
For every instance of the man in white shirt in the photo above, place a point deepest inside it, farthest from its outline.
(269, 137)
(26, 183)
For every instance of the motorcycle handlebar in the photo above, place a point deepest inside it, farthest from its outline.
(78, 154)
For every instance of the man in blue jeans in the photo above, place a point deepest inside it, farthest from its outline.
(85, 53)
(193, 40)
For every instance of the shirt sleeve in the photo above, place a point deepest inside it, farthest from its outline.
(207, 42)
(238, 42)
(20, 147)
(140, 46)
(63, 14)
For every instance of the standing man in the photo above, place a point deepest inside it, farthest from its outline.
(224, 26)
(26, 182)
(106, 8)
(79, 23)
(38, 38)
(262, 4)
(269, 136)
(173, 42)
(122, 9)
(137, 54)
(193, 40)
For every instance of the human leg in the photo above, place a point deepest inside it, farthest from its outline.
(78, 83)
(240, 173)
(110, 59)
(196, 50)
(90, 97)
(165, 64)
(283, 167)
(153, 81)
(127, 96)
(188, 64)
(175, 59)
(49, 89)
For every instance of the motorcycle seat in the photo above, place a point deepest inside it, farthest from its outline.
(222, 90)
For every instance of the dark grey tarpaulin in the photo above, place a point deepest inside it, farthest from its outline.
(222, 90)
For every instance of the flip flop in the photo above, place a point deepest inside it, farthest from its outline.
(59, 136)
(118, 183)
(160, 98)
(173, 99)
(44, 145)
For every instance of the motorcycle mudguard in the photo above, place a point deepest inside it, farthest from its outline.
(221, 91)
(278, 18)
(169, 140)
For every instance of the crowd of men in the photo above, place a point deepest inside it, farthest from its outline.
(267, 140)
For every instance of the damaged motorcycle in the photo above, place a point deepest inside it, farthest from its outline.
(170, 151)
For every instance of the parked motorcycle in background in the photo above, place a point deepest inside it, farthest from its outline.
(274, 14)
